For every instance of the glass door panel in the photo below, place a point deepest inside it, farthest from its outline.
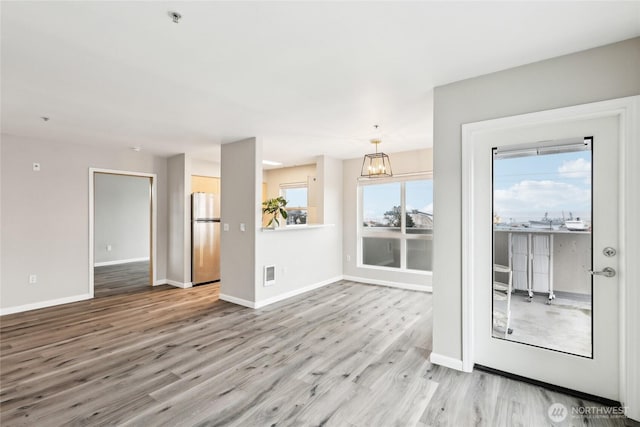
(542, 245)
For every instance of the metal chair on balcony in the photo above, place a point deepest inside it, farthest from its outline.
(502, 292)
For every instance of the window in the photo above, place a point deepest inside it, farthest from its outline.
(297, 202)
(396, 223)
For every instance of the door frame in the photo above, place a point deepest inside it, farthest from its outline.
(153, 214)
(626, 110)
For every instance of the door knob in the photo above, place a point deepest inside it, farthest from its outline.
(606, 272)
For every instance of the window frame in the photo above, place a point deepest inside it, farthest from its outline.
(293, 185)
(384, 232)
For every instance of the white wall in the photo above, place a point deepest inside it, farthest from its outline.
(330, 175)
(305, 258)
(602, 73)
(405, 162)
(205, 168)
(45, 216)
(122, 218)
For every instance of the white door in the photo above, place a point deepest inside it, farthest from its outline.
(557, 184)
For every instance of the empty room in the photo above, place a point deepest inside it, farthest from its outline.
(345, 213)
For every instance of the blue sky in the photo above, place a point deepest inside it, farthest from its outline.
(380, 198)
(296, 197)
(524, 189)
(527, 187)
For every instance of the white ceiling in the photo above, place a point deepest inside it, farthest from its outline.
(309, 78)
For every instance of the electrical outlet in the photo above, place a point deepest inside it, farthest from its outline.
(348, 258)
(109, 248)
(225, 227)
(243, 227)
(33, 279)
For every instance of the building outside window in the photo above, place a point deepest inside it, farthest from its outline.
(396, 223)
(296, 195)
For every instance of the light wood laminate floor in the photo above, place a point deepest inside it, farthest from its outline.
(344, 355)
(109, 280)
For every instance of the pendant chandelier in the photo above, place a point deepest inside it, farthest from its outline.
(376, 165)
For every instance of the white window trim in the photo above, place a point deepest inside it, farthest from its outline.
(292, 185)
(384, 233)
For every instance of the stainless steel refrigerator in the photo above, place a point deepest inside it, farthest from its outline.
(205, 238)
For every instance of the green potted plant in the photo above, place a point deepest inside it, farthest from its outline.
(275, 207)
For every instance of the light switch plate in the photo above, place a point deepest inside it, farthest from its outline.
(225, 227)
(243, 227)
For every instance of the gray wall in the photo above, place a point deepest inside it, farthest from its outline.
(45, 216)
(571, 260)
(598, 74)
(404, 162)
(179, 227)
(122, 217)
(240, 198)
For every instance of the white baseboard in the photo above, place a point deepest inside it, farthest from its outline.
(277, 298)
(446, 361)
(239, 301)
(182, 285)
(293, 293)
(408, 286)
(43, 304)
(119, 261)
(160, 282)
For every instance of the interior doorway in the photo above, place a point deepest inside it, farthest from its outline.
(122, 232)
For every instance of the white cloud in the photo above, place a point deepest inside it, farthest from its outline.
(372, 215)
(427, 209)
(579, 168)
(534, 198)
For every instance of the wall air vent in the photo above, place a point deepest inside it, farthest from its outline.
(269, 275)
